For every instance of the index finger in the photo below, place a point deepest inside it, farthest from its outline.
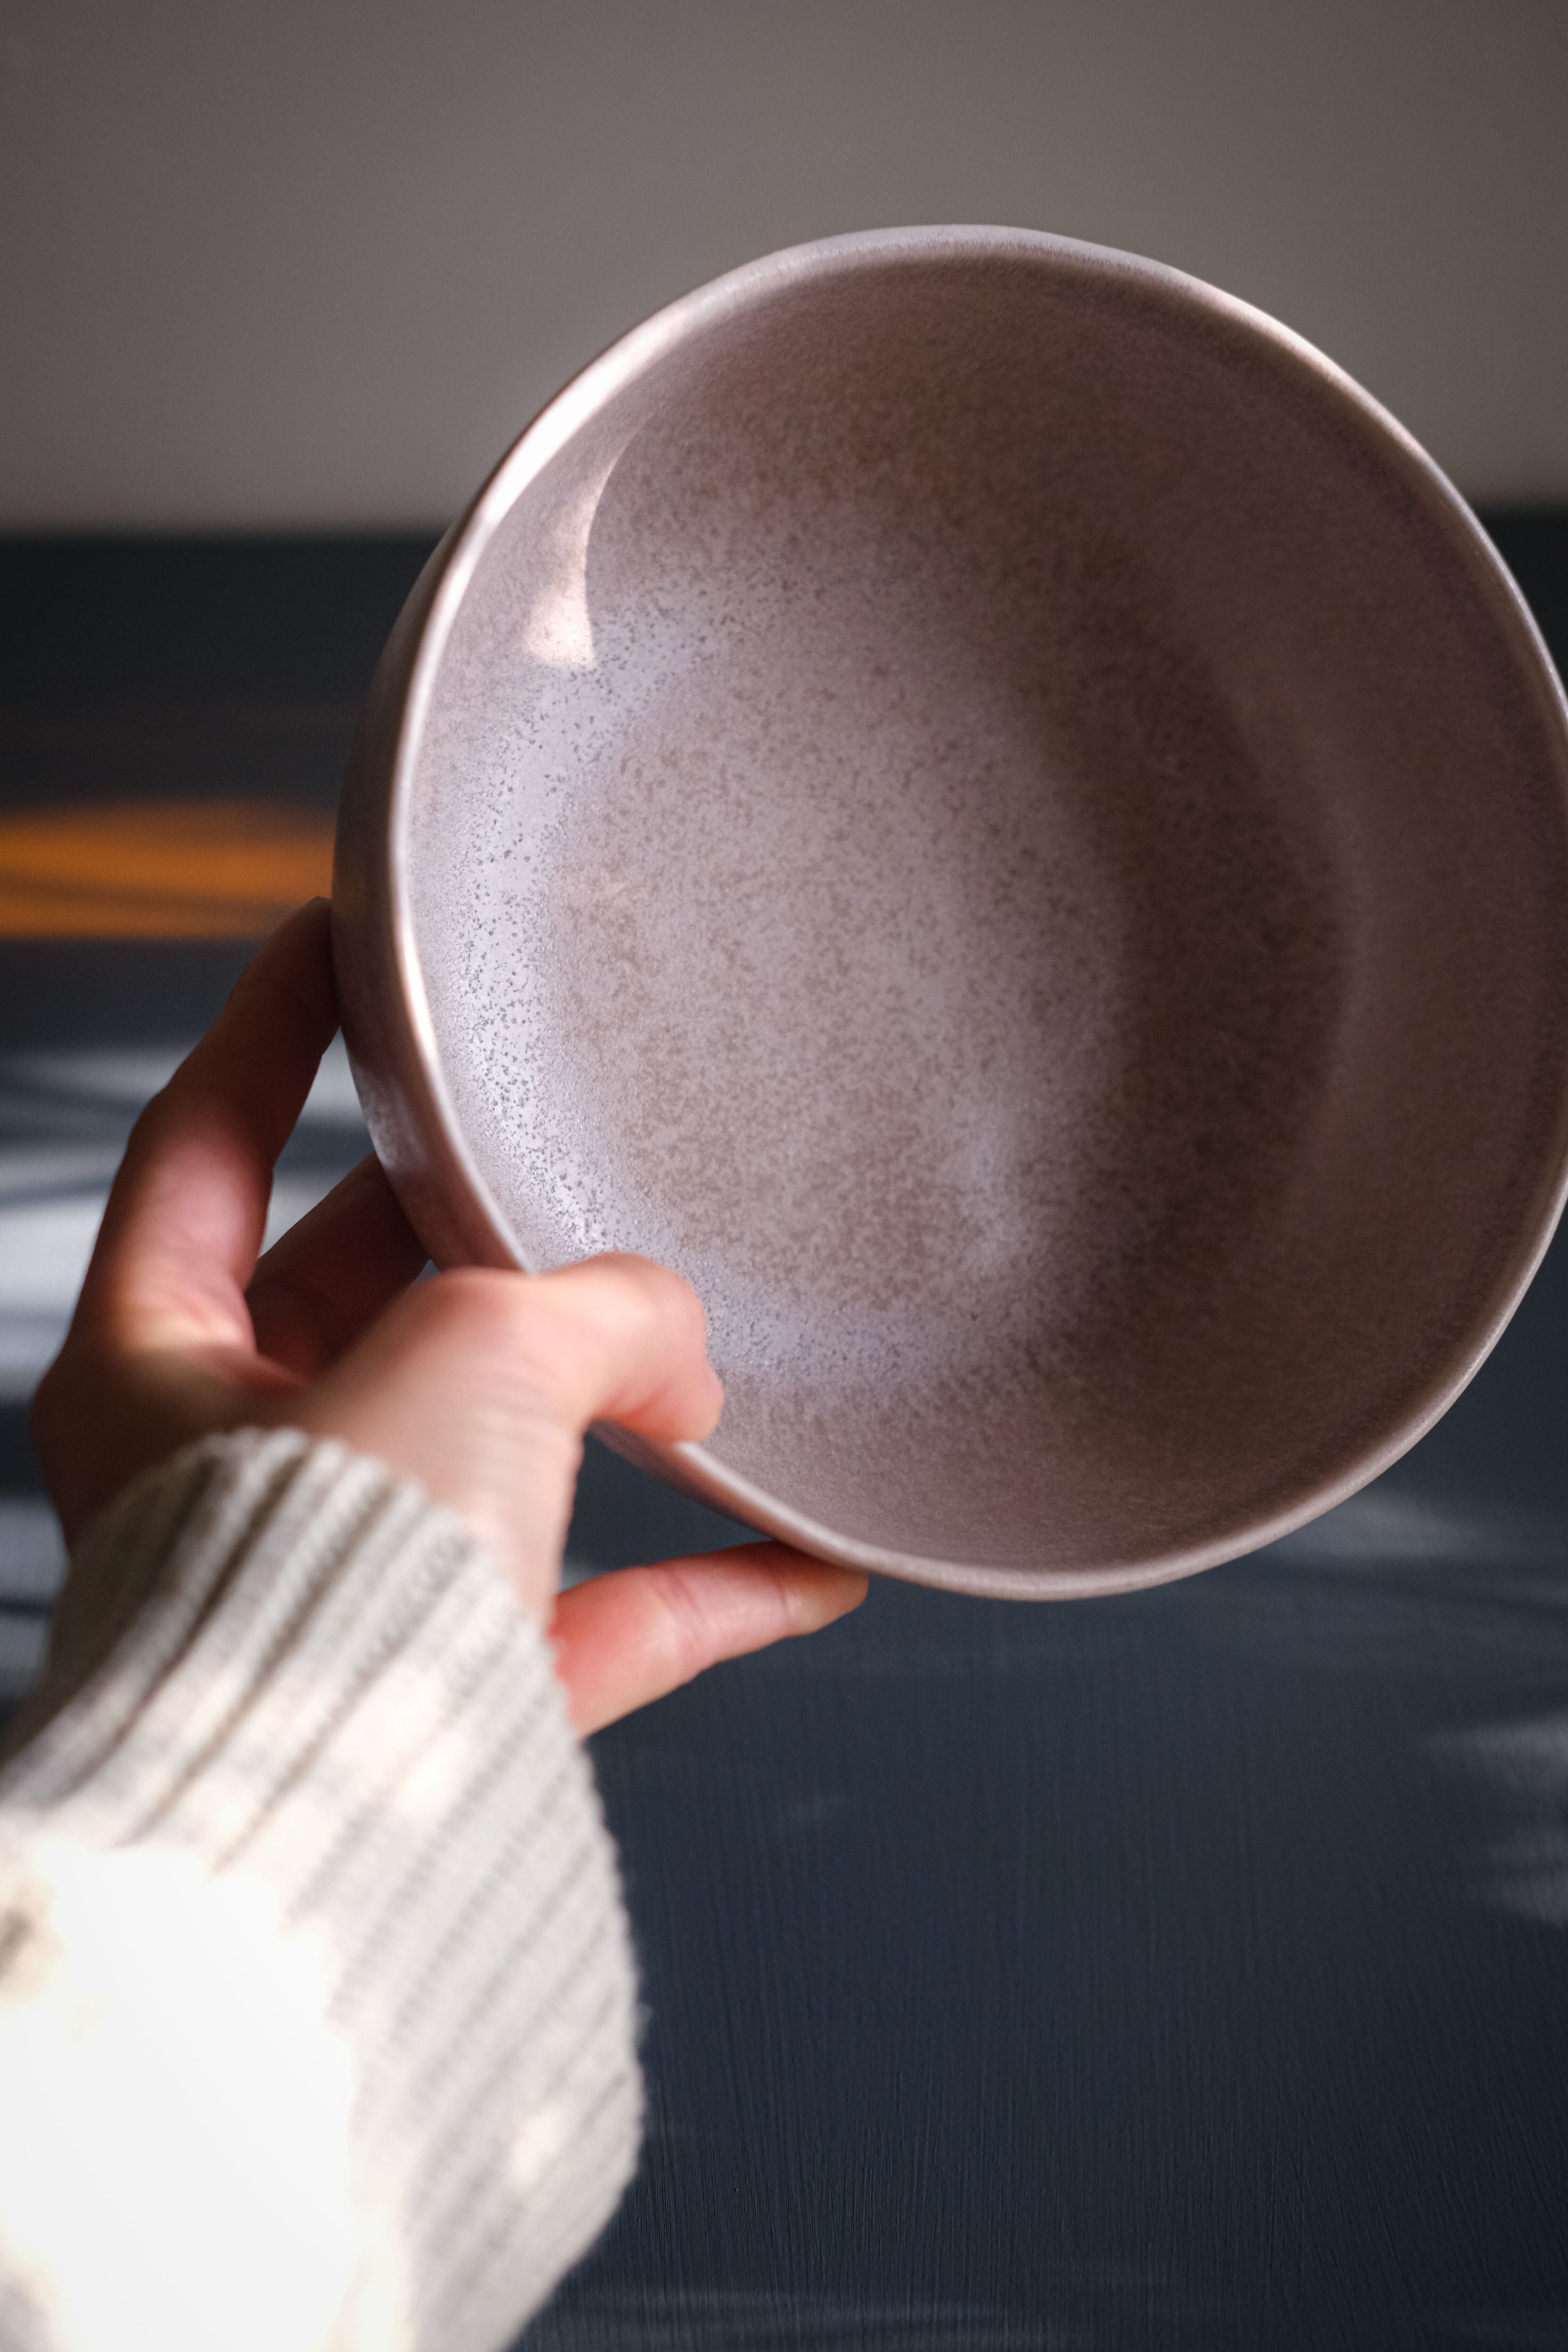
(188, 1209)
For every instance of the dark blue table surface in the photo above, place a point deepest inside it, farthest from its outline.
(1186, 1969)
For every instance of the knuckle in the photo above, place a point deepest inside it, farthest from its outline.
(640, 1298)
(683, 1634)
(558, 1336)
(478, 1304)
(507, 1330)
(593, 1302)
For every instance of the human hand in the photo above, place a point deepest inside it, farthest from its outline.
(478, 1383)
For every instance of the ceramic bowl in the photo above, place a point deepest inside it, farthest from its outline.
(982, 800)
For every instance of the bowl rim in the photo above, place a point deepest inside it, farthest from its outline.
(414, 1123)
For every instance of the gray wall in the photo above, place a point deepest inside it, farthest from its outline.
(304, 262)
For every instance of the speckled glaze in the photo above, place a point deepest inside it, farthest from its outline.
(980, 799)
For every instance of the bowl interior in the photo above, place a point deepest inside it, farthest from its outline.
(986, 808)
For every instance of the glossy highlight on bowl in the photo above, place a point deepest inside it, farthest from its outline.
(979, 798)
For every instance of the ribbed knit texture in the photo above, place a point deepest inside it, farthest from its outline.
(317, 2010)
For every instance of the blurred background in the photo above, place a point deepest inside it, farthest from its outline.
(1183, 1970)
(313, 264)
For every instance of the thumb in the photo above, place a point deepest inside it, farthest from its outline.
(480, 1385)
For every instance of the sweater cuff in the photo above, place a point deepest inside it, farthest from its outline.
(316, 1835)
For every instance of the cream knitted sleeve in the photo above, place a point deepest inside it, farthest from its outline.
(317, 2009)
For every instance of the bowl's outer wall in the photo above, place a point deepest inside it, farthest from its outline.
(391, 1068)
(418, 1138)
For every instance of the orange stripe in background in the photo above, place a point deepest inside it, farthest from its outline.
(160, 870)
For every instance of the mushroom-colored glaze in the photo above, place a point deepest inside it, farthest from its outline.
(981, 800)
